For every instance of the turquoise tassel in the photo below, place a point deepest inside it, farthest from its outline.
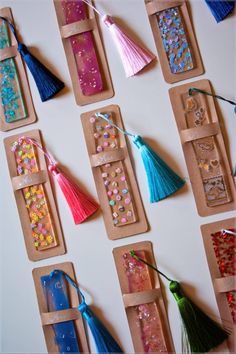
(162, 180)
(105, 343)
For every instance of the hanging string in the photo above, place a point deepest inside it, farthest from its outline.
(87, 2)
(133, 254)
(105, 117)
(192, 89)
(225, 231)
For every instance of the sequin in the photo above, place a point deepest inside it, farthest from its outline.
(174, 40)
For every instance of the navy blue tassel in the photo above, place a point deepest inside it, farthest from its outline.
(220, 9)
(105, 343)
(162, 180)
(48, 84)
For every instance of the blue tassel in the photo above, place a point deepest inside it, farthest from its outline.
(220, 9)
(48, 84)
(162, 180)
(105, 343)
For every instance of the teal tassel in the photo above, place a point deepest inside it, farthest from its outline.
(105, 343)
(48, 84)
(202, 334)
(162, 180)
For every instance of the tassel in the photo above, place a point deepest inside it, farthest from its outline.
(80, 204)
(48, 84)
(133, 56)
(104, 341)
(162, 180)
(193, 89)
(202, 333)
(220, 9)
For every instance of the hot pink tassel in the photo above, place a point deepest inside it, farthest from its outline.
(80, 204)
(134, 57)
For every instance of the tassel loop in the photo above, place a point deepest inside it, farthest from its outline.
(107, 20)
(175, 288)
(138, 141)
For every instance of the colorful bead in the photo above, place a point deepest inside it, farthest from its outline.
(125, 191)
(121, 208)
(115, 222)
(114, 184)
(113, 145)
(96, 135)
(129, 213)
(123, 179)
(99, 128)
(115, 191)
(118, 170)
(92, 119)
(118, 198)
(112, 202)
(108, 126)
(107, 165)
(123, 220)
(99, 148)
(127, 201)
(115, 215)
(109, 193)
(107, 183)
(104, 175)
(106, 143)
(113, 174)
(106, 135)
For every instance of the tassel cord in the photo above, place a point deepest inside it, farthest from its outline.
(50, 159)
(192, 89)
(104, 116)
(87, 2)
(132, 253)
(12, 28)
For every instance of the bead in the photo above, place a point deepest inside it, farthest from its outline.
(109, 193)
(106, 143)
(115, 191)
(92, 119)
(113, 145)
(99, 148)
(115, 222)
(123, 179)
(112, 202)
(114, 184)
(121, 208)
(108, 126)
(113, 174)
(115, 215)
(118, 198)
(123, 220)
(129, 213)
(125, 191)
(107, 165)
(113, 136)
(104, 175)
(96, 135)
(106, 135)
(118, 170)
(107, 183)
(127, 201)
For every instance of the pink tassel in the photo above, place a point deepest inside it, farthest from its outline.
(80, 204)
(134, 57)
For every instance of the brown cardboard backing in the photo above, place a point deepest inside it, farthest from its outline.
(31, 117)
(154, 6)
(140, 225)
(118, 253)
(224, 310)
(187, 135)
(33, 254)
(108, 91)
(72, 314)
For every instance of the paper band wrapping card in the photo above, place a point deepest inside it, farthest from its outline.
(204, 149)
(16, 106)
(62, 323)
(175, 40)
(84, 51)
(220, 247)
(143, 302)
(113, 174)
(34, 198)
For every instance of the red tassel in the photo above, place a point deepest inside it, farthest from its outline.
(81, 205)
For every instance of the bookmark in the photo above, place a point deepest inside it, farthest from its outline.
(84, 51)
(62, 323)
(220, 246)
(34, 198)
(203, 147)
(63, 307)
(143, 300)
(175, 40)
(113, 175)
(16, 106)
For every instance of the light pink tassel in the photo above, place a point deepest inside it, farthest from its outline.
(81, 205)
(133, 56)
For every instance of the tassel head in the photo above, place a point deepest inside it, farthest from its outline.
(162, 180)
(80, 204)
(133, 56)
(202, 333)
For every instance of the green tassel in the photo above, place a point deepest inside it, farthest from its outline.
(202, 333)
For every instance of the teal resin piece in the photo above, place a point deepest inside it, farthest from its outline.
(10, 90)
(174, 39)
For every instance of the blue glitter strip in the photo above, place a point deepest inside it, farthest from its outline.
(174, 40)
(10, 91)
